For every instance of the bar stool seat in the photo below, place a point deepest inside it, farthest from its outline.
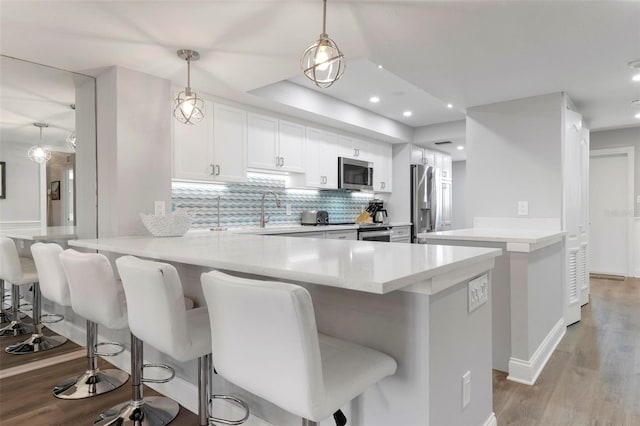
(296, 368)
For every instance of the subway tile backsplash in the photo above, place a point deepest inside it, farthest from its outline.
(240, 202)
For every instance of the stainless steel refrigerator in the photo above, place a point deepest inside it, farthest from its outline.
(427, 198)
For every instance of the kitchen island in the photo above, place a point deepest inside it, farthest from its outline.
(529, 294)
(407, 300)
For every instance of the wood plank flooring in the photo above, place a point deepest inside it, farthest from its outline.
(9, 361)
(26, 399)
(593, 377)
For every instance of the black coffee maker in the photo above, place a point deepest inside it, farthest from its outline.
(377, 211)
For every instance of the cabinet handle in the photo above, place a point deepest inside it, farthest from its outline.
(382, 185)
(213, 170)
(342, 237)
(217, 169)
(325, 179)
(281, 161)
(277, 161)
(358, 152)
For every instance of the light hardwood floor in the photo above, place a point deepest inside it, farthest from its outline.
(593, 377)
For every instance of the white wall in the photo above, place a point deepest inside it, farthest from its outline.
(134, 148)
(514, 154)
(619, 138)
(86, 160)
(22, 202)
(440, 131)
(458, 180)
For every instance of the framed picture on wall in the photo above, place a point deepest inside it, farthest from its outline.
(3, 180)
(55, 190)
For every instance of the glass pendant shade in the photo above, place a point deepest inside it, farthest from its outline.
(39, 154)
(188, 107)
(323, 62)
(71, 141)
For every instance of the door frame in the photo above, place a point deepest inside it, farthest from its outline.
(629, 152)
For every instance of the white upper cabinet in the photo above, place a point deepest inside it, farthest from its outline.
(262, 142)
(229, 143)
(291, 146)
(275, 144)
(421, 155)
(214, 149)
(193, 148)
(447, 167)
(354, 148)
(382, 167)
(322, 159)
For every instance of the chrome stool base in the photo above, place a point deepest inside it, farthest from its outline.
(35, 343)
(152, 411)
(16, 328)
(90, 383)
(7, 316)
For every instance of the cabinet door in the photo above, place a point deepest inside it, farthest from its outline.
(262, 142)
(193, 149)
(385, 158)
(447, 167)
(447, 200)
(347, 147)
(230, 143)
(322, 159)
(342, 235)
(291, 146)
(366, 151)
(417, 155)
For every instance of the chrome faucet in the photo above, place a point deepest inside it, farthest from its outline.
(264, 194)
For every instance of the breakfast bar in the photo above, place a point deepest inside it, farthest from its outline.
(409, 301)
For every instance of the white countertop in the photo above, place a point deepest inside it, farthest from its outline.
(291, 229)
(518, 240)
(373, 267)
(49, 233)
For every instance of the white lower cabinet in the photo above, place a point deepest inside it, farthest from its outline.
(319, 234)
(342, 235)
(214, 149)
(401, 234)
(349, 234)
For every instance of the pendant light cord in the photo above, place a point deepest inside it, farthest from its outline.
(189, 72)
(324, 18)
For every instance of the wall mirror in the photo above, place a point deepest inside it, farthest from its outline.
(55, 109)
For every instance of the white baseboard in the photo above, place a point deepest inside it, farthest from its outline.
(491, 421)
(527, 371)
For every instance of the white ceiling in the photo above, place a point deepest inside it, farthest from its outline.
(465, 52)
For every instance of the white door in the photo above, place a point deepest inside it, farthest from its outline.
(230, 144)
(193, 148)
(291, 146)
(263, 142)
(609, 193)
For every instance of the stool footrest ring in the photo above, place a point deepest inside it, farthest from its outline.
(120, 349)
(27, 309)
(163, 366)
(56, 318)
(213, 420)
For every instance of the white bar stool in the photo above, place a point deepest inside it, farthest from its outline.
(308, 374)
(17, 271)
(38, 342)
(79, 291)
(154, 290)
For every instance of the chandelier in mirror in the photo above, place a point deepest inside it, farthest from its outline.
(38, 153)
(323, 62)
(71, 141)
(188, 107)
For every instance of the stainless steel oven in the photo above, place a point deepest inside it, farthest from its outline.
(375, 233)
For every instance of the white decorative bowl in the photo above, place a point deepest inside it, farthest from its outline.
(175, 224)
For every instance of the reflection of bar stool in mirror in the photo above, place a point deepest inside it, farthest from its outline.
(158, 317)
(16, 271)
(22, 271)
(96, 296)
(299, 370)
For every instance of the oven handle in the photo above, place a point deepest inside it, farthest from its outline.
(370, 234)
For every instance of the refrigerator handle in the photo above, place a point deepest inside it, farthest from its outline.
(434, 201)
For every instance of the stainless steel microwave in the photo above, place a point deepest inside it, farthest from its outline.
(355, 174)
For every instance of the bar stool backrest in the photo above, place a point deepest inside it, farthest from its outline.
(157, 313)
(265, 340)
(53, 281)
(95, 294)
(10, 268)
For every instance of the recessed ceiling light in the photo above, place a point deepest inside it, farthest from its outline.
(407, 113)
(460, 147)
(638, 115)
(374, 99)
(380, 67)
(449, 106)
(636, 77)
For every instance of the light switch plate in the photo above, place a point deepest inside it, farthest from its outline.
(478, 292)
(288, 209)
(466, 389)
(159, 208)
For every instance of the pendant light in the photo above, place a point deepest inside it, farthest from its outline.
(188, 107)
(323, 62)
(38, 153)
(71, 141)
